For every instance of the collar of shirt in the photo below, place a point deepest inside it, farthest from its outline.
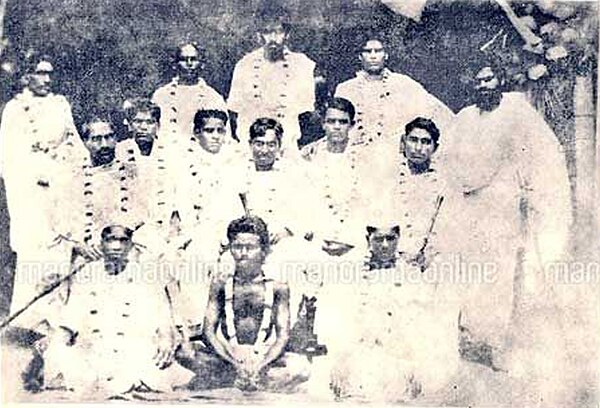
(114, 166)
(27, 97)
(404, 170)
(201, 83)
(362, 74)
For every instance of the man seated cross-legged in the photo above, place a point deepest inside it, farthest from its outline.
(247, 323)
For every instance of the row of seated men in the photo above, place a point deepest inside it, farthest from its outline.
(113, 331)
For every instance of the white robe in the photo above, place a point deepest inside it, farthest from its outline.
(415, 197)
(339, 180)
(116, 318)
(102, 196)
(204, 193)
(384, 107)
(280, 90)
(154, 188)
(383, 327)
(512, 169)
(283, 197)
(39, 146)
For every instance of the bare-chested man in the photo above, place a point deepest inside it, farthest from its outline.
(247, 322)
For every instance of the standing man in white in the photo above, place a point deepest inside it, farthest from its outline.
(385, 100)
(38, 145)
(273, 81)
(180, 99)
(511, 209)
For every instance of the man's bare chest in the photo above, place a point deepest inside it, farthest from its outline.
(248, 310)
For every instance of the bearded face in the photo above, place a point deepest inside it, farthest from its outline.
(188, 63)
(274, 37)
(101, 142)
(487, 86)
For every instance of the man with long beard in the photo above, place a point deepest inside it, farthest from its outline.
(510, 208)
(272, 81)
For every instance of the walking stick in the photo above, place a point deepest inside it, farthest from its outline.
(46, 291)
(49, 289)
(421, 253)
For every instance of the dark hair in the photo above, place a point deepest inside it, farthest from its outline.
(423, 123)
(202, 115)
(342, 104)
(107, 231)
(33, 59)
(249, 225)
(367, 36)
(137, 105)
(96, 118)
(177, 55)
(371, 230)
(261, 125)
(273, 14)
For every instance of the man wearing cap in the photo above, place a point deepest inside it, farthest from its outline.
(386, 100)
(273, 81)
(38, 146)
(180, 99)
(103, 342)
(511, 210)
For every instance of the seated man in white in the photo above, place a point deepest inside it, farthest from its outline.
(114, 333)
(392, 338)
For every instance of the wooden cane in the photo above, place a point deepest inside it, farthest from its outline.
(40, 295)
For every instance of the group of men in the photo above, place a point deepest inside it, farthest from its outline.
(254, 233)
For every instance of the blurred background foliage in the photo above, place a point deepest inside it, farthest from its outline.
(108, 50)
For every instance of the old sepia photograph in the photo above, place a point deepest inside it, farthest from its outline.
(282, 202)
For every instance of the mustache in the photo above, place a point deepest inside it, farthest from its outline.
(144, 137)
(105, 151)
